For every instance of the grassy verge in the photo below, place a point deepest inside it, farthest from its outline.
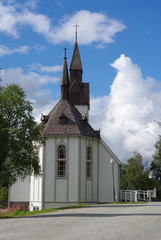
(19, 213)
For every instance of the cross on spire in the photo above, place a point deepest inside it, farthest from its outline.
(65, 53)
(76, 26)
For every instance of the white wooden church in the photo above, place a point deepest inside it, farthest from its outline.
(77, 165)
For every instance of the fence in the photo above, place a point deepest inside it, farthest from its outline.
(137, 195)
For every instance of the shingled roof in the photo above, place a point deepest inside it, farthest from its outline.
(74, 123)
(76, 60)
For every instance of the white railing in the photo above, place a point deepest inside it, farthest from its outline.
(137, 195)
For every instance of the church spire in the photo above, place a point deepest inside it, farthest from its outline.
(76, 64)
(78, 91)
(76, 26)
(64, 84)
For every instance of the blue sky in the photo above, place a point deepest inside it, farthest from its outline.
(119, 43)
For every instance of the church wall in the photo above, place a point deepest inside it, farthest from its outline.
(61, 184)
(49, 170)
(88, 187)
(89, 192)
(73, 170)
(95, 169)
(61, 190)
(106, 177)
(83, 169)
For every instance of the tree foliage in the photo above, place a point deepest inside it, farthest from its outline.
(156, 163)
(156, 166)
(3, 194)
(135, 174)
(20, 136)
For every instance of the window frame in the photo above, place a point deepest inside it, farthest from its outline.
(61, 162)
(89, 163)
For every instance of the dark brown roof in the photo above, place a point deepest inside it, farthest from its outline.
(75, 124)
(64, 76)
(76, 60)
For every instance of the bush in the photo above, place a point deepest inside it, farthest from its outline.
(14, 209)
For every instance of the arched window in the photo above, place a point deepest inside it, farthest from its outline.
(61, 162)
(61, 152)
(89, 163)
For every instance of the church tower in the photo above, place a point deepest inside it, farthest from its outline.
(78, 91)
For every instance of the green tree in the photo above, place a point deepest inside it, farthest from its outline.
(20, 136)
(135, 174)
(156, 163)
(3, 194)
(156, 166)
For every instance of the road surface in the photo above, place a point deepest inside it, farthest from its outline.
(98, 222)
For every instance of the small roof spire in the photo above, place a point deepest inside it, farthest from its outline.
(64, 76)
(76, 26)
(65, 53)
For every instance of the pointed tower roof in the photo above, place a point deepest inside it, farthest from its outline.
(76, 60)
(65, 76)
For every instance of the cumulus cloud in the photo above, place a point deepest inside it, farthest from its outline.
(130, 111)
(35, 85)
(127, 116)
(6, 51)
(12, 19)
(94, 27)
(30, 82)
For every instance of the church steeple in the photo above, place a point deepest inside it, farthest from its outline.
(64, 84)
(76, 69)
(76, 64)
(78, 91)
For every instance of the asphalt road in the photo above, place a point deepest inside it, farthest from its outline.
(98, 222)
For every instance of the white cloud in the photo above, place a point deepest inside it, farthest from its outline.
(30, 81)
(8, 20)
(127, 117)
(12, 19)
(6, 51)
(97, 112)
(50, 69)
(31, 4)
(94, 27)
(130, 111)
(35, 86)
